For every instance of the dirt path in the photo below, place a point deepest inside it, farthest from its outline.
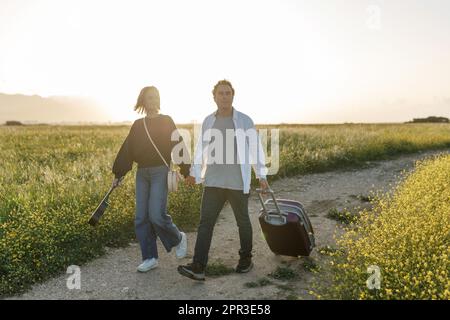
(114, 275)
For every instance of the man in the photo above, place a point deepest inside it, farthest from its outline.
(227, 148)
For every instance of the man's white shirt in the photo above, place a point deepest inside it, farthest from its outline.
(250, 152)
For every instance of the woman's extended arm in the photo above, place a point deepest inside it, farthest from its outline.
(124, 161)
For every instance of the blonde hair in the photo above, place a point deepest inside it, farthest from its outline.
(141, 107)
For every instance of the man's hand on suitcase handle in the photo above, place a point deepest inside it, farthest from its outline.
(264, 186)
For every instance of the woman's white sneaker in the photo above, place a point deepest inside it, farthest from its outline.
(181, 249)
(147, 265)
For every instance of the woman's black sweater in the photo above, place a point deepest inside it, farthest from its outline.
(138, 148)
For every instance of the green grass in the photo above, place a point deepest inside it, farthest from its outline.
(283, 273)
(53, 177)
(259, 283)
(405, 235)
(343, 216)
(217, 269)
(310, 266)
(317, 148)
(364, 198)
(51, 180)
(328, 251)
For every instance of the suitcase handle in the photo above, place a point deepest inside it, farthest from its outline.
(260, 192)
(270, 219)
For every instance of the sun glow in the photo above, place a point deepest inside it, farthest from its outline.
(290, 61)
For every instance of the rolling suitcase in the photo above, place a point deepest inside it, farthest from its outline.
(286, 226)
(289, 205)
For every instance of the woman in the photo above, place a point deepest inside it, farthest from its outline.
(152, 219)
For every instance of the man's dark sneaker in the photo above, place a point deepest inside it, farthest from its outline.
(193, 270)
(245, 265)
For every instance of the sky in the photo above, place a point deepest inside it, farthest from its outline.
(322, 61)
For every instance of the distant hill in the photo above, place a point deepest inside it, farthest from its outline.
(36, 109)
(430, 119)
(14, 123)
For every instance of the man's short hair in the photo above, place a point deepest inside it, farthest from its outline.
(221, 82)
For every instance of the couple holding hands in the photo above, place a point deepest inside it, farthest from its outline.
(226, 176)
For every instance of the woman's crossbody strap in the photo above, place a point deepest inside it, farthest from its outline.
(154, 145)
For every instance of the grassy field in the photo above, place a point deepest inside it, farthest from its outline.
(406, 236)
(315, 148)
(52, 178)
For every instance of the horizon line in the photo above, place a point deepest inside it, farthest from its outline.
(130, 122)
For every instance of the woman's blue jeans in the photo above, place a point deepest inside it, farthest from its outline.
(152, 219)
